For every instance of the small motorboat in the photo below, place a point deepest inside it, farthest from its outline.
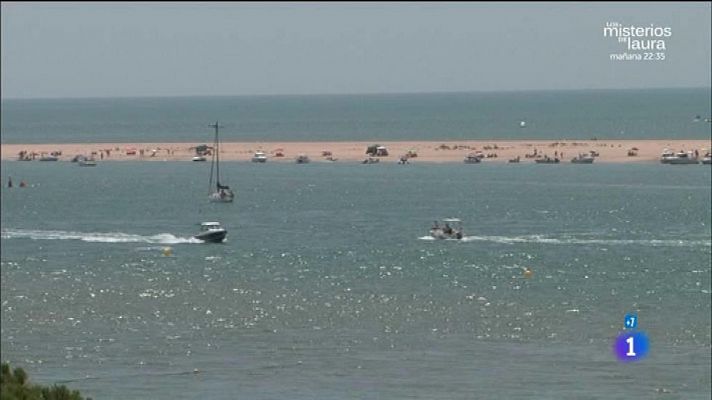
(547, 160)
(86, 162)
(582, 159)
(199, 158)
(666, 156)
(371, 160)
(446, 229)
(211, 232)
(707, 159)
(473, 158)
(259, 157)
(679, 158)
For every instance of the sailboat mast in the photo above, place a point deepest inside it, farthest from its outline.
(217, 155)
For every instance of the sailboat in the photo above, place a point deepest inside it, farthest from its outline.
(222, 193)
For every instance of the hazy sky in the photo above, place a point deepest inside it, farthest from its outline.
(164, 49)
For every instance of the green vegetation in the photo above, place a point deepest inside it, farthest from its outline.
(15, 385)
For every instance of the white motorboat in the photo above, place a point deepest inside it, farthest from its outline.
(680, 158)
(259, 157)
(86, 162)
(547, 160)
(583, 159)
(666, 156)
(200, 158)
(370, 160)
(450, 228)
(211, 232)
(222, 193)
(707, 159)
(473, 158)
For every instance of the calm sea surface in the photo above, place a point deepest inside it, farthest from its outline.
(328, 288)
(621, 114)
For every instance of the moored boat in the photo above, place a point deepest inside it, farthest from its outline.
(222, 193)
(473, 158)
(547, 160)
(679, 158)
(259, 157)
(707, 159)
(582, 159)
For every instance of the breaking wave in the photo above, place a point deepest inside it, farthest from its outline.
(96, 237)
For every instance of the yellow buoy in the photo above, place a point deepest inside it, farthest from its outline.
(528, 272)
(167, 251)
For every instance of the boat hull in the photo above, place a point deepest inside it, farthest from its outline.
(582, 161)
(212, 236)
(225, 197)
(682, 161)
(440, 234)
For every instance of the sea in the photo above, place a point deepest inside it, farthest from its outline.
(576, 114)
(329, 286)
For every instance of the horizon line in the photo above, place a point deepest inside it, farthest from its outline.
(352, 94)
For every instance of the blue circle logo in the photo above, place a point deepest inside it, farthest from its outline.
(631, 346)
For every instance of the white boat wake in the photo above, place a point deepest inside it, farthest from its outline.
(96, 237)
(574, 241)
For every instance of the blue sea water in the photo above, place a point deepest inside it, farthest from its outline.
(329, 288)
(585, 114)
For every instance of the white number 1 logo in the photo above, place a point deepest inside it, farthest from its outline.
(631, 352)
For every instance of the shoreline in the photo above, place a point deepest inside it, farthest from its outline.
(453, 151)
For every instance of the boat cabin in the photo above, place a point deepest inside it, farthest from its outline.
(210, 226)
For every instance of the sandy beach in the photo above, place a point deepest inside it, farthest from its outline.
(609, 151)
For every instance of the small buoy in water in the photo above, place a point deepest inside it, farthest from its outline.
(196, 371)
(522, 124)
(527, 272)
(167, 251)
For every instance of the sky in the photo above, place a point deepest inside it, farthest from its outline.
(58, 50)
